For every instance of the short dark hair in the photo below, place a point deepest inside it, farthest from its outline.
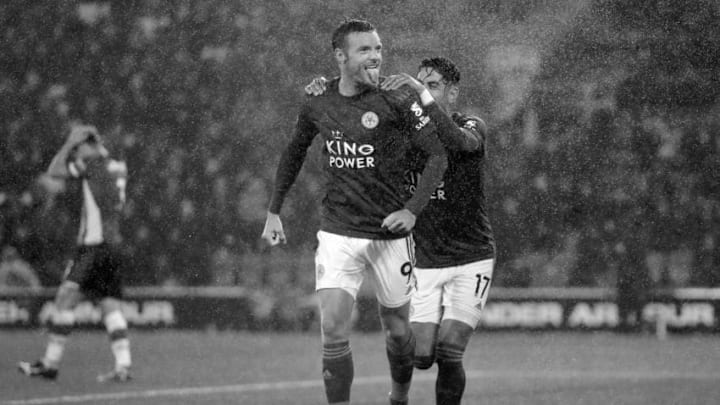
(349, 26)
(446, 67)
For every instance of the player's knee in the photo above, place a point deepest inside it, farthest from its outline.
(396, 327)
(395, 321)
(423, 362)
(334, 330)
(398, 335)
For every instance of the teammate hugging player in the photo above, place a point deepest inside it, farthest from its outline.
(455, 243)
(367, 212)
(94, 270)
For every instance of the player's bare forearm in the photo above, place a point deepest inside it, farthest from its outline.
(430, 179)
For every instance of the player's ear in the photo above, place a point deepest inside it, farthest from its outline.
(453, 92)
(340, 56)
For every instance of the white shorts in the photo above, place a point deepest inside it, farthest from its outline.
(342, 261)
(457, 293)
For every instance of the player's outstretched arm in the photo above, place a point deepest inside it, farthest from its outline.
(273, 232)
(469, 138)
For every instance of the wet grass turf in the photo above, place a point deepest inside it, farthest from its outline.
(188, 367)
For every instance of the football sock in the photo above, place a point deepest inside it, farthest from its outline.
(338, 371)
(450, 382)
(400, 353)
(61, 324)
(116, 326)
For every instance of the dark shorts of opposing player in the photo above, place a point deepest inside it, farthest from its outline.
(96, 269)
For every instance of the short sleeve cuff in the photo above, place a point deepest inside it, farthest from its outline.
(426, 98)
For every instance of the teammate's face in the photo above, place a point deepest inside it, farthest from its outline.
(445, 94)
(361, 59)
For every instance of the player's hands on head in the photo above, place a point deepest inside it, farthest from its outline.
(399, 221)
(273, 232)
(81, 133)
(317, 86)
(396, 81)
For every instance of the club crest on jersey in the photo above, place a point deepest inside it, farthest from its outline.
(370, 120)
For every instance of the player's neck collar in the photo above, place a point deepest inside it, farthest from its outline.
(359, 89)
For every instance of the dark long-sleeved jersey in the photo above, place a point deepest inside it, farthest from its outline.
(454, 229)
(366, 140)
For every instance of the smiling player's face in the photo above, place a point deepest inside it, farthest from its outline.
(362, 57)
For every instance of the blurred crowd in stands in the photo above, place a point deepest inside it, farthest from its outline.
(604, 156)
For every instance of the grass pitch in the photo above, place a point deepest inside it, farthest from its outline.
(191, 367)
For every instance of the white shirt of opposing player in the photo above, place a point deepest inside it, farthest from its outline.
(91, 229)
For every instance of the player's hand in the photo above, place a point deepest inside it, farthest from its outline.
(396, 81)
(81, 133)
(399, 221)
(317, 87)
(273, 232)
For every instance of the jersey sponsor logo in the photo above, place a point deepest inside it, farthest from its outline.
(422, 122)
(422, 119)
(370, 120)
(336, 134)
(348, 154)
(416, 109)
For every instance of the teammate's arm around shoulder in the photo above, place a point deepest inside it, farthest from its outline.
(473, 132)
(467, 136)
